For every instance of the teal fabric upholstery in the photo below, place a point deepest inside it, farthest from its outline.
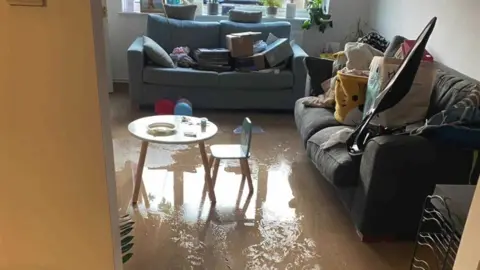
(171, 33)
(256, 81)
(180, 77)
(207, 89)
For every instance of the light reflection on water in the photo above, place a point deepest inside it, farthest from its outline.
(260, 231)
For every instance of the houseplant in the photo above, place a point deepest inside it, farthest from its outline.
(317, 16)
(212, 7)
(272, 6)
(126, 227)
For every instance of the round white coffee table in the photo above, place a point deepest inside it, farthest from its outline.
(139, 129)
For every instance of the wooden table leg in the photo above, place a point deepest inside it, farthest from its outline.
(208, 178)
(139, 172)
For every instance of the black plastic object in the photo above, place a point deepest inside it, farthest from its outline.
(398, 86)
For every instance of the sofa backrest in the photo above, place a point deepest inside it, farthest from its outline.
(171, 33)
(280, 29)
(448, 90)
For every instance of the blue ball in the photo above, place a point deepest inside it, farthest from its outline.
(183, 108)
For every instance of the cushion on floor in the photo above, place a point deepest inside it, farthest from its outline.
(334, 163)
(180, 77)
(256, 80)
(310, 120)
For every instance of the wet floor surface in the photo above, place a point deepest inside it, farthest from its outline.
(292, 220)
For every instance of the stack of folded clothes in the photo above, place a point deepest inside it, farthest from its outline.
(213, 59)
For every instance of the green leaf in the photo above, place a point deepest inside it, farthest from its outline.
(127, 257)
(125, 232)
(127, 240)
(126, 248)
(126, 225)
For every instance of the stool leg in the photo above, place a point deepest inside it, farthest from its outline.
(216, 164)
(248, 174)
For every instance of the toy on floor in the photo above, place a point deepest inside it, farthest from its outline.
(183, 107)
(164, 107)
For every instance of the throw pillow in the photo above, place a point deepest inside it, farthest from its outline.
(179, 12)
(350, 90)
(156, 53)
(375, 40)
(245, 16)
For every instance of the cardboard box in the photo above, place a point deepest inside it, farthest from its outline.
(241, 44)
(251, 63)
(278, 51)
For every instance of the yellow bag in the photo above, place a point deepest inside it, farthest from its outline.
(349, 98)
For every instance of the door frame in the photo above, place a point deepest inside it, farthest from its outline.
(103, 82)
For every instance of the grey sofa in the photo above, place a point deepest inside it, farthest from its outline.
(207, 89)
(384, 194)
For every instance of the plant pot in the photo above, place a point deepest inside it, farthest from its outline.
(291, 10)
(212, 8)
(272, 11)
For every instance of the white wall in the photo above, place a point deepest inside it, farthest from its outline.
(124, 28)
(54, 198)
(456, 39)
(468, 256)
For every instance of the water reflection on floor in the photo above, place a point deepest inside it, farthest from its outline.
(292, 221)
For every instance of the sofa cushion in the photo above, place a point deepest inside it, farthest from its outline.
(334, 163)
(180, 77)
(244, 16)
(310, 120)
(156, 53)
(181, 12)
(256, 80)
(280, 29)
(171, 33)
(448, 90)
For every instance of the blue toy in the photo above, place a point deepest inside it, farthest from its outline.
(183, 108)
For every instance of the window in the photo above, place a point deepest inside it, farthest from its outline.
(135, 5)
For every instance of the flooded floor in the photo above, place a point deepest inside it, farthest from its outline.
(292, 221)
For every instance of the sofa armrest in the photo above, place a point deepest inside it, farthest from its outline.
(299, 71)
(395, 178)
(136, 63)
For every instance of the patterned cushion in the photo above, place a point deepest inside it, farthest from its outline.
(471, 100)
(375, 40)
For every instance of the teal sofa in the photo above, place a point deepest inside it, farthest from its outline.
(208, 89)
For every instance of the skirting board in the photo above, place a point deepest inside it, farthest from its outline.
(27, 3)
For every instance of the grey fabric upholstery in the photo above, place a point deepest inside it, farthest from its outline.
(395, 177)
(156, 53)
(311, 120)
(181, 12)
(210, 90)
(180, 77)
(447, 91)
(243, 16)
(279, 29)
(384, 189)
(334, 163)
(256, 81)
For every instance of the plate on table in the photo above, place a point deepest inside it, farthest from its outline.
(161, 129)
